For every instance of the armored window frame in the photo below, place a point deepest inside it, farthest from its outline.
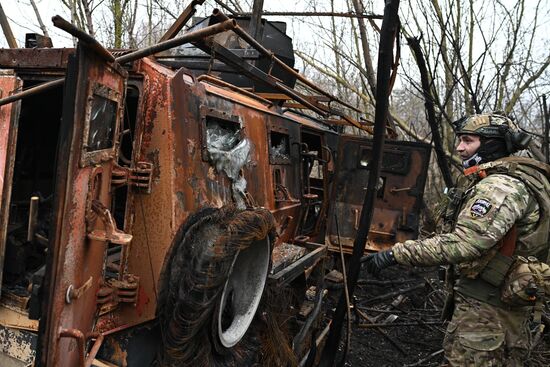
(210, 114)
(90, 157)
(279, 132)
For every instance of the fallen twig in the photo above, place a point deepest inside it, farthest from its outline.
(370, 309)
(386, 282)
(392, 294)
(423, 360)
(367, 326)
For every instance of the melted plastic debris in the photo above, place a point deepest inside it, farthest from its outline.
(280, 151)
(229, 154)
(222, 138)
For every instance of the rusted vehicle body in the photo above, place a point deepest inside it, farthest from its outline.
(145, 206)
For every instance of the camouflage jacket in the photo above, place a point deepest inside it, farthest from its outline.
(489, 209)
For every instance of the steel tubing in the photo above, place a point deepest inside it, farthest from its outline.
(218, 15)
(162, 46)
(186, 38)
(31, 91)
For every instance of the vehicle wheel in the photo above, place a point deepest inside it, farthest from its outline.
(212, 284)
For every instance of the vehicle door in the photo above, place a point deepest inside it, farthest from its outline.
(9, 115)
(83, 226)
(399, 192)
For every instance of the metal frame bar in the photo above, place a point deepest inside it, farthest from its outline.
(132, 56)
(219, 16)
(182, 20)
(290, 272)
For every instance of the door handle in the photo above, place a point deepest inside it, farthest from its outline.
(73, 293)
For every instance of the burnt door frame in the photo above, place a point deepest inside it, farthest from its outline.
(323, 158)
(9, 121)
(93, 106)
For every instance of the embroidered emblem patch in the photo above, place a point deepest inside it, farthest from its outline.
(480, 208)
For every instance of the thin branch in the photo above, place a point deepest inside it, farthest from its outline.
(39, 19)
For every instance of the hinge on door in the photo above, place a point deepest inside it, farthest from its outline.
(139, 177)
(110, 233)
(115, 291)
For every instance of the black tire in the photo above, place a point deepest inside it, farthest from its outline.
(194, 276)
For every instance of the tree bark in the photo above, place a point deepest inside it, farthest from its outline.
(430, 112)
(39, 19)
(365, 45)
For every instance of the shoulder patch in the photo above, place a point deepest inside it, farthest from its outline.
(480, 207)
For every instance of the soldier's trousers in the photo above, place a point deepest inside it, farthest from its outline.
(483, 335)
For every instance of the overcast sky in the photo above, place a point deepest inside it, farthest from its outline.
(23, 20)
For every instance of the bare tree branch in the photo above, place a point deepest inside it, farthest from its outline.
(39, 19)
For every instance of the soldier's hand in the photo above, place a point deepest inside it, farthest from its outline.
(378, 261)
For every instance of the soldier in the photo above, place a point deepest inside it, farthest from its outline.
(499, 218)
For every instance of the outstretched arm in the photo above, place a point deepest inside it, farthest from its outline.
(497, 202)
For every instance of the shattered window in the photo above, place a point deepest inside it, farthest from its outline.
(229, 153)
(102, 124)
(279, 148)
(222, 135)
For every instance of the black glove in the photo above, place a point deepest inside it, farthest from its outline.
(380, 260)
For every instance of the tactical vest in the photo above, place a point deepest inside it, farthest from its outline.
(485, 283)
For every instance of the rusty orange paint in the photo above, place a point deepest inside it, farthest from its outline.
(77, 258)
(8, 134)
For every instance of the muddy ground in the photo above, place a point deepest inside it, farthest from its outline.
(410, 300)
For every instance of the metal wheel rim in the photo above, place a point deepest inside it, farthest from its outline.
(243, 291)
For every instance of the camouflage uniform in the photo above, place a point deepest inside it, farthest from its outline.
(482, 334)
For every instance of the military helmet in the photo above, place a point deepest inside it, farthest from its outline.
(485, 125)
(494, 126)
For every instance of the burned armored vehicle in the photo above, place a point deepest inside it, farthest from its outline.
(178, 209)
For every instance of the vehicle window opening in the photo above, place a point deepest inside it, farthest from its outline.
(390, 160)
(279, 148)
(102, 123)
(229, 153)
(221, 134)
(128, 126)
(316, 170)
(32, 194)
